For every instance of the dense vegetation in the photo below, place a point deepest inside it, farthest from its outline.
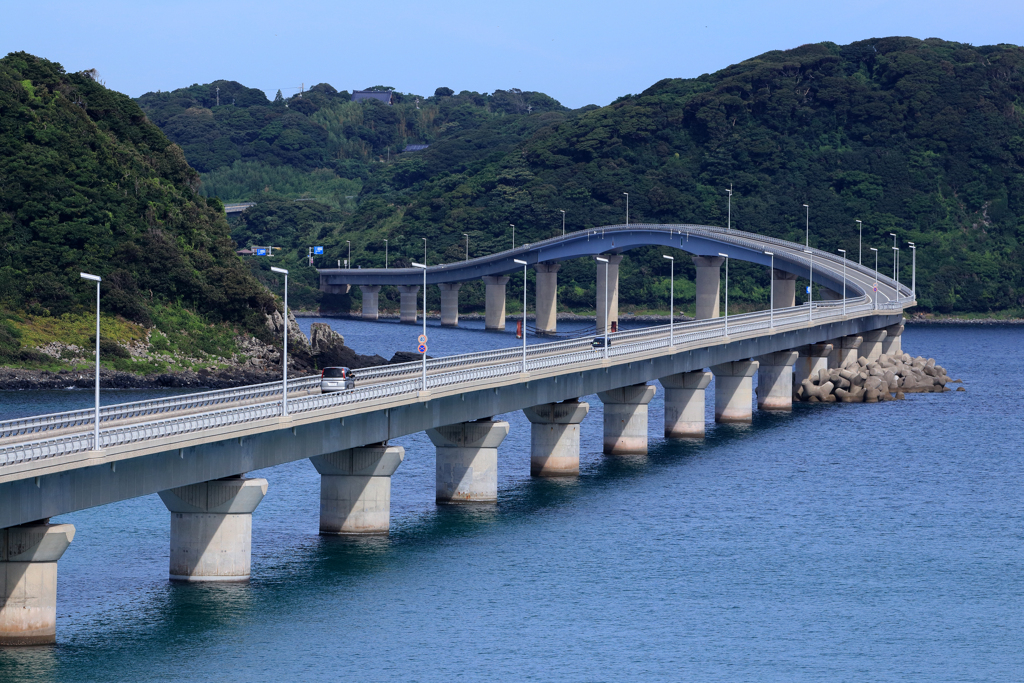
(87, 184)
(921, 138)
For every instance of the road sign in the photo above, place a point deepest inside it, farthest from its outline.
(318, 251)
(261, 251)
(875, 288)
(422, 339)
(422, 348)
(808, 290)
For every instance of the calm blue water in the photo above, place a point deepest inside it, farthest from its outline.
(839, 542)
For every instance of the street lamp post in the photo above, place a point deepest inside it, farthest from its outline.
(843, 252)
(729, 224)
(627, 207)
(466, 235)
(605, 262)
(523, 264)
(894, 255)
(349, 253)
(726, 292)
(563, 222)
(96, 428)
(385, 254)
(513, 235)
(771, 291)
(860, 241)
(671, 301)
(810, 287)
(913, 268)
(420, 265)
(807, 227)
(896, 258)
(876, 276)
(424, 260)
(284, 385)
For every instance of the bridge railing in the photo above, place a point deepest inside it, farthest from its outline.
(503, 363)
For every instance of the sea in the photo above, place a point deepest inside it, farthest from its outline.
(838, 542)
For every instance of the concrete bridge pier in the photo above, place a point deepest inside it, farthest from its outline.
(371, 301)
(775, 380)
(613, 292)
(684, 404)
(709, 285)
(872, 346)
(893, 345)
(734, 390)
(450, 303)
(355, 489)
(467, 460)
(625, 419)
(494, 301)
(811, 359)
(547, 297)
(211, 528)
(555, 438)
(844, 349)
(28, 581)
(408, 303)
(783, 289)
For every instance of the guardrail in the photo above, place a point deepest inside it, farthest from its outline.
(503, 362)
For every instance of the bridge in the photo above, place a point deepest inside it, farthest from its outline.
(195, 450)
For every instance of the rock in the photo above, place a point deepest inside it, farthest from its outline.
(961, 389)
(406, 357)
(900, 396)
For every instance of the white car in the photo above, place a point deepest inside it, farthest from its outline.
(336, 379)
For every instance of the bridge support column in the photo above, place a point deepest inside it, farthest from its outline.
(872, 346)
(844, 349)
(684, 404)
(28, 581)
(775, 380)
(893, 345)
(811, 359)
(555, 438)
(355, 489)
(734, 390)
(467, 461)
(494, 312)
(613, 292)
(547, 297)
(709, 283)
(211, 528)
(450, 304)
(408, 303)
(371, 299)
(783, 289)
(625, 419)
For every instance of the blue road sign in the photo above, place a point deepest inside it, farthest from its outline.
(808, 290)
(318, 250)
(422, 348)
(261, 251)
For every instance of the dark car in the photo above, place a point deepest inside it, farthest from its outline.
(336, 379)
(598, 343)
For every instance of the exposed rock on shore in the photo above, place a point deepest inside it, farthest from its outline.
(864, 381)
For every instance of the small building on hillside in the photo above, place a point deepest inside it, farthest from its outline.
(382, 95)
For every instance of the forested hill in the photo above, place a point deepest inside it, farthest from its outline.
(87, 184)
(921, 138)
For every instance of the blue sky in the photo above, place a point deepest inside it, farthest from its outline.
(578, 52)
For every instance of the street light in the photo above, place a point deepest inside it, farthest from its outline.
(284, 386)
(523, 264)
(896, 258)
(913, 268)
(860, 241)
(843, 252)
(420, 265)
(349, 253)
(726, 292)
(810, 287)
(729, 224)
(807, 227)
(513, 235)
(627, 207)
(424, 260)
(605, 262)
(385, 254)
(771, 291)
(876, 276)
(671, 301)
(563, 222)
(894, 255)
(466, 235)
(96, 429)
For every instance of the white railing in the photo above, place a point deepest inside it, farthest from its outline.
(453, 370)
